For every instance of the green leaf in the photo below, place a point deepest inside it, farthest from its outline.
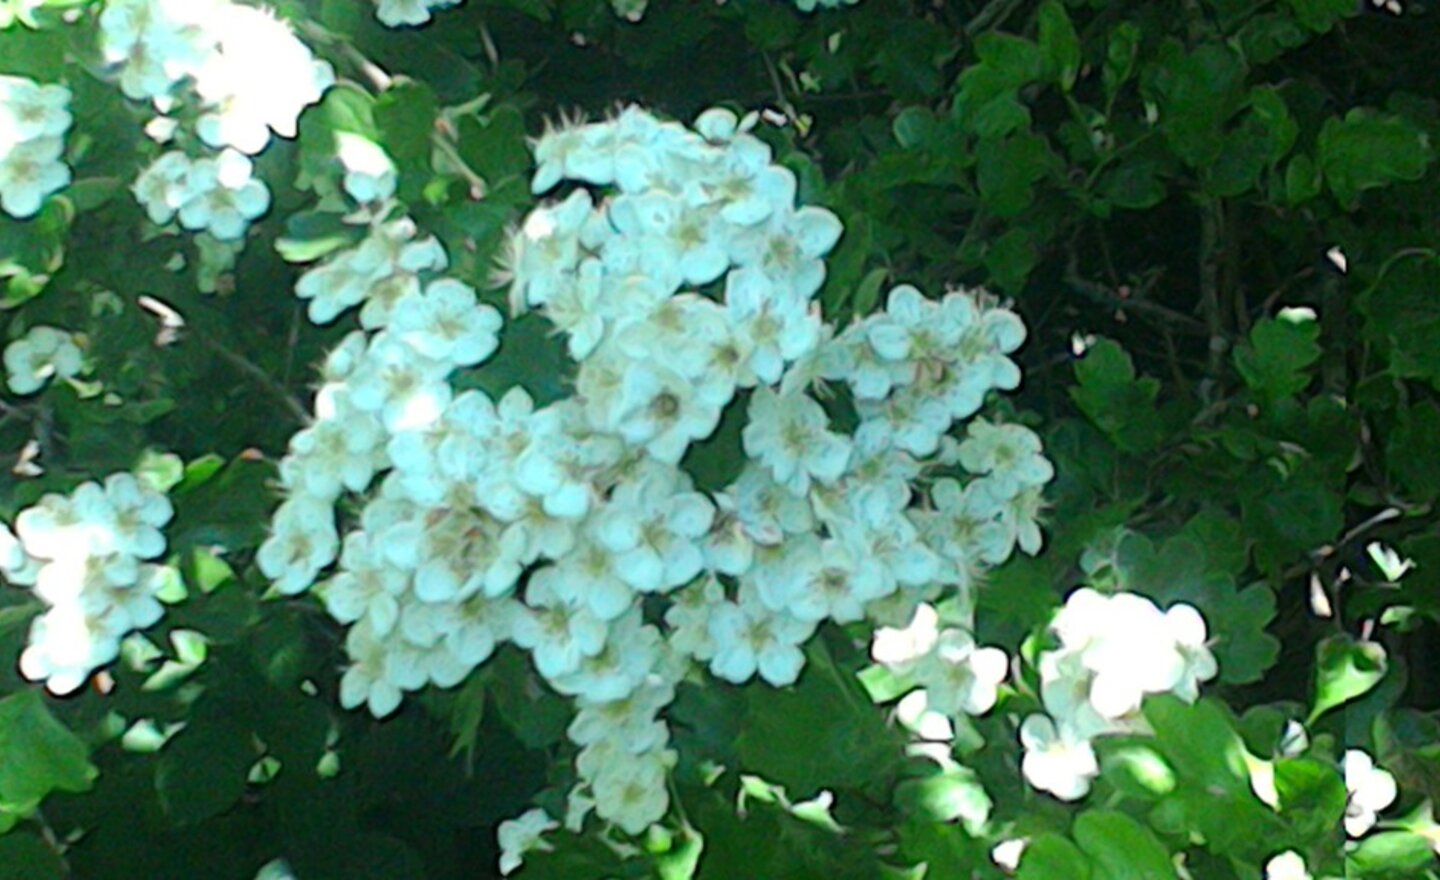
(946, 795)
(405, 115)
(1403, 315)
(1197, 93)
(1279, 352)
(681, 856)
(38, 754)
(1302, 180)
(345, 108)
(1409, 453)
(1310, 795)
(1368, 150)
(495, 147)
(1400, 855)
(1049, 856)
(1134, 184)
(819, 733)
(1008, 168)
(1010, 259)
(1118, 403)
(1059, 44)
(201, 772)
(311, 235)
(1321, 15)
(1121, 848)
(1287, 516)
(1344, 670)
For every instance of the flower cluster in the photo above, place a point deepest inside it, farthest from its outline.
(33, 122)
(246, 69)
(84, 556)
(40, 355)
(399, 13)
(218, 195)
(248, 78)
(682, 277)
(1114, 650)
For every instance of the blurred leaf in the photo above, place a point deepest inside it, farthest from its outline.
(1059, 44)
(38, 754)
(1121, 848)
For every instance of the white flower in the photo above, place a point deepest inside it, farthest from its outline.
(750, 637)
(365, 681)
(523, 834)
(1371, 790)
(901, 646)
(42, 353)
(790, 436)
(397, 13)
(773, 326)
(1288, 865)
(1008, 454)
(446, 323)
(29, 172)
(654, 524)
(560, 631)
(630, 790)
(1056, 759)
(302, 542)
(30, 110)
(960, 676)
(256, 77)
(369, 174)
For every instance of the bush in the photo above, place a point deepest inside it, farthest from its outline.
(744, 439)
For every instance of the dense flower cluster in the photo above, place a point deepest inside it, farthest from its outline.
(682, 277)
(42, 354)
(1114, 650)
(84, 555)
(33, 122)
(247, 77)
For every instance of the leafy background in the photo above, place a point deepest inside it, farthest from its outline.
(1162, 188)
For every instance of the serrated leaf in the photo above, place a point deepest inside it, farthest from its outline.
(1278, 353)
(1119, 404)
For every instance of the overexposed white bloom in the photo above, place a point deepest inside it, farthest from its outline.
(81, 555)
(1288, 865)
(1056, 759)
(1370, 788)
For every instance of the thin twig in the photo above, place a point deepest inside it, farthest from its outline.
(278, 391)
(1210, 286)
